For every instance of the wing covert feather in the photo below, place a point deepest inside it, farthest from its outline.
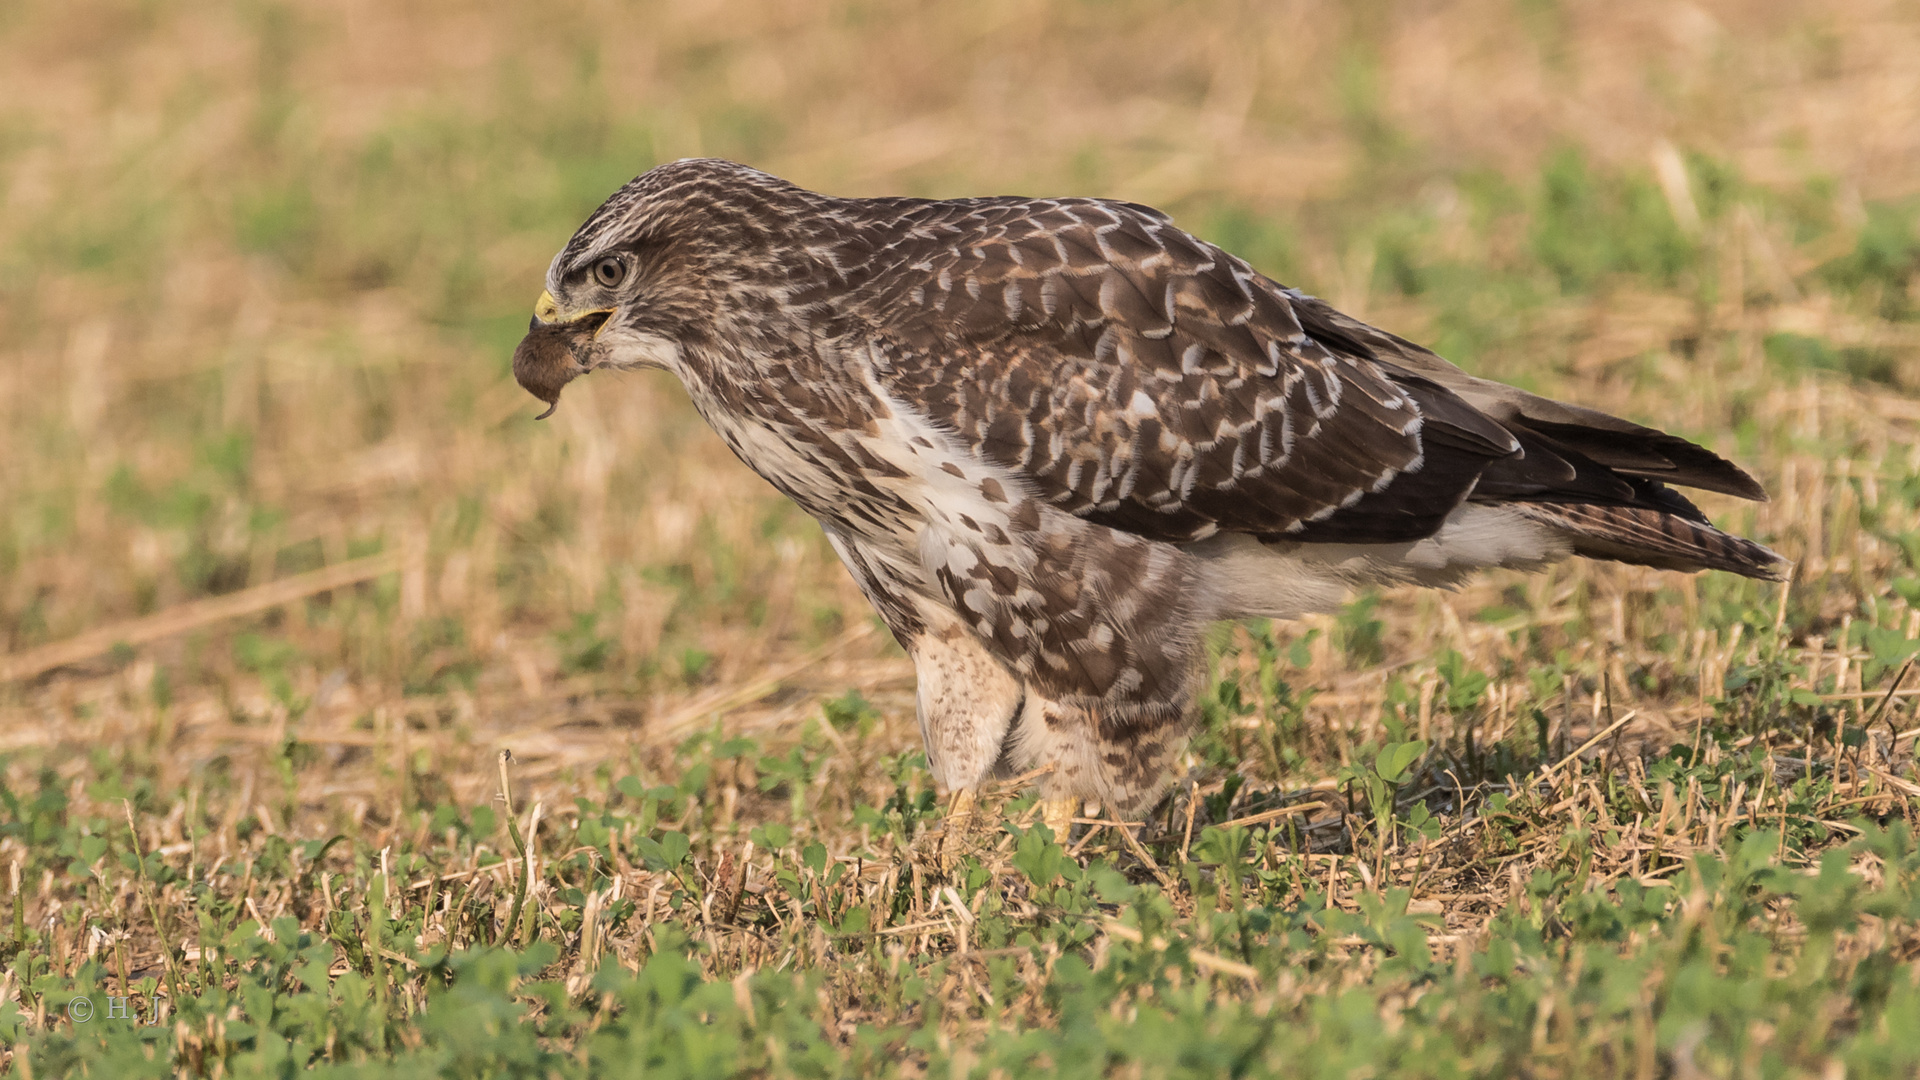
(1143, 378)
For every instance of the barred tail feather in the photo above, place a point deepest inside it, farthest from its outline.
(1650, 537)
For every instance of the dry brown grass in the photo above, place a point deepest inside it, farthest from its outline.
(425, 159)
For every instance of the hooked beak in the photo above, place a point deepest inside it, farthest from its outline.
(557, 349)
(547, 313)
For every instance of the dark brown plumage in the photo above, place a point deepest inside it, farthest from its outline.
(1053, 438)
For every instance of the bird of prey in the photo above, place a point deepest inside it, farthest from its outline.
(1054, 439)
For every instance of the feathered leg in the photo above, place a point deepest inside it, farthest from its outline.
(1121, 756)
(966, 702)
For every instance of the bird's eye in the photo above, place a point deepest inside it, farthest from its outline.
(609, 271)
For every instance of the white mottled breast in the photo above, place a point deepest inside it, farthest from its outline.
(961, 522)
(779, 456)
(939, 510)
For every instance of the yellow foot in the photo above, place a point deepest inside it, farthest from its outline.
(957, 835)
(1058, 815)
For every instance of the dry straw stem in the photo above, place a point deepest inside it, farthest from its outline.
(159, 920)
(1201, 958)
(1596, 740)
(1274, 815)
(191, 616)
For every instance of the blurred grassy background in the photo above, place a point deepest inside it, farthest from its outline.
(261, 268)
(262, 264)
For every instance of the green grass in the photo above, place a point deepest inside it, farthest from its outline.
(257, 300)
(1616, 934)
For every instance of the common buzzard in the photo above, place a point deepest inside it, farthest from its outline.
(1054, 439)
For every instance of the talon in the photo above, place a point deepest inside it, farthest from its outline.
(956, 836)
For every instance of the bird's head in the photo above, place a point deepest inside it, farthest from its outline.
(652, 269)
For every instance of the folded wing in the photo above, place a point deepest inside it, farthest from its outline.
(1147, 380)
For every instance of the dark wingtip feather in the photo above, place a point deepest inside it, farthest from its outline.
(1646, 452)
